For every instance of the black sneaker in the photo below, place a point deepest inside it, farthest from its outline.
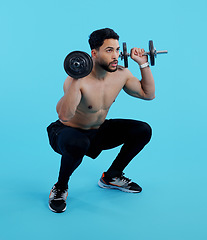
(122, 183)
(57, 199)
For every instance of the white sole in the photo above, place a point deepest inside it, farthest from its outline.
(102, 185)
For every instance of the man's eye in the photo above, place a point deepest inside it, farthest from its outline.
(109, 50)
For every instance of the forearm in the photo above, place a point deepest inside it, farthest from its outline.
(67, 105)
(147, 83)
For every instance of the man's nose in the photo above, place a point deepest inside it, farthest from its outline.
(115, 55)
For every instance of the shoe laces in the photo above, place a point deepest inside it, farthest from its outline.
(124, 179)
(59, 193)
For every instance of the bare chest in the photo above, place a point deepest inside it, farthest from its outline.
(98, 96)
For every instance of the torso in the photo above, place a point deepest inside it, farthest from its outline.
(97, 98)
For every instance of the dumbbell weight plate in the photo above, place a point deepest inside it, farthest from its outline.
(125, 55)
(151, 53)
(78, 64)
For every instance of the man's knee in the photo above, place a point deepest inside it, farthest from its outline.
(143, 131)
(147, 132)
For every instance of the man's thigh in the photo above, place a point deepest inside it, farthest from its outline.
(65, 139)
(72, 140)
(115, 132)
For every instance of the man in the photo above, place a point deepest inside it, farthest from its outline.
(82, 128)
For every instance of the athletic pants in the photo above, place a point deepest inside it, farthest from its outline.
(74, 143)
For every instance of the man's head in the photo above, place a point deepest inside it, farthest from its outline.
(105, 48)
(96, 39)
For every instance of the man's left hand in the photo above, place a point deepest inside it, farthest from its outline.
(137, 55)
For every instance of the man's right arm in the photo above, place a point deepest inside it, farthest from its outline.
(67, 105)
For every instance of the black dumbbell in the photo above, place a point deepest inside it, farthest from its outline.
(152, 53)
(79, 64)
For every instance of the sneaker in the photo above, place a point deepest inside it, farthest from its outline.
(57, 199)
(122, 183)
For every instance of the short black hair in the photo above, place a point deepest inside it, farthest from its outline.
(96, 39)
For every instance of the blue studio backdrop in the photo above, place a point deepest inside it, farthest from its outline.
(35, 38)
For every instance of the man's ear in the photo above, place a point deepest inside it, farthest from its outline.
(93, 53)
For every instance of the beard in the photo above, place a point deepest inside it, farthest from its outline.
(106, 66)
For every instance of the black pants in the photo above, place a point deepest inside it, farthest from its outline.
(74, 143)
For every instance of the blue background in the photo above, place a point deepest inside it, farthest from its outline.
(35, 38)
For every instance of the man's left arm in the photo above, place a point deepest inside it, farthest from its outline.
(144, 89)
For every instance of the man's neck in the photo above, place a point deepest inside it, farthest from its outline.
(98, 72)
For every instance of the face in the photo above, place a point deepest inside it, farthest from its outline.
(107, 55)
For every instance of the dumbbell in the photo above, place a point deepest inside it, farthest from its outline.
(79, 64)
(152, 53)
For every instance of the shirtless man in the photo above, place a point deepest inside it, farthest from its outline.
(82, 128)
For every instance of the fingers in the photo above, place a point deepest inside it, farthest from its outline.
(137, 52)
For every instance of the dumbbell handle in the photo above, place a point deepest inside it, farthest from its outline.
(148, 53)
(156, 52)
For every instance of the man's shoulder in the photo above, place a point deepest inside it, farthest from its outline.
(122, 74)
(119, 67)
(123, 71)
